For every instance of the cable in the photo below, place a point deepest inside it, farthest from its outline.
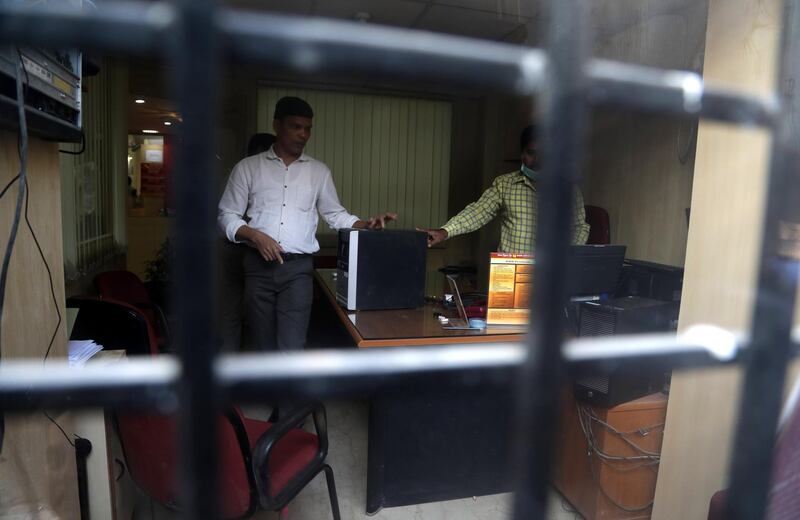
(25, 70)
(623, 435)
(49, 272)
(23, 158)
(628, 509)
(79, 152)
(24, 196)
(25, 186)
(23, 166)
(10, 183)
(71, 443)
(52, 293)
(648, 459)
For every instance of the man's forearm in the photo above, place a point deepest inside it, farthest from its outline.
(246, 233)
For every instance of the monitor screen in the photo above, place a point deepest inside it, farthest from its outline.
(594, 269)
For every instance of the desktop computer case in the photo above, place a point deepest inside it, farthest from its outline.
(381, 269)
(628, 315)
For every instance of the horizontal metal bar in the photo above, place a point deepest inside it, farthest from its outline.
(145, 383)
(341, 373)
(124, 27)
(675, 92)
(306, 45)
(333, 46)
(318, 45)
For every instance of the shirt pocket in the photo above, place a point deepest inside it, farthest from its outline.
(305, 197)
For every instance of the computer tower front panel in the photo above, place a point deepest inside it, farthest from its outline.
(381, 269)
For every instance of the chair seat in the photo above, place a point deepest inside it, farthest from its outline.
(291, 454)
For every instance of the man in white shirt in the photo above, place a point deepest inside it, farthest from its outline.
(282, 191)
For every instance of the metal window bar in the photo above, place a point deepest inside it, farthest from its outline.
(198, 382)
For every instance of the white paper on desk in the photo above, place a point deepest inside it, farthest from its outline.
(80, 351)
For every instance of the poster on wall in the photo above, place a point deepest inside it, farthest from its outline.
(154, 156)
(153, 179)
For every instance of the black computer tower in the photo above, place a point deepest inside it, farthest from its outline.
(628, 315)
(381, 269)
(651, 280)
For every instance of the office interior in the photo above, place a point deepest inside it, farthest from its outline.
(683, 195)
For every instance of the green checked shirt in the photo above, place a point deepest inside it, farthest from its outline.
(513, 197)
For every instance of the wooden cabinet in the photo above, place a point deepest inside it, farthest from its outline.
(597, 488)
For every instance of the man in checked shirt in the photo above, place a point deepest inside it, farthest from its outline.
(282, 191)
(513, 197)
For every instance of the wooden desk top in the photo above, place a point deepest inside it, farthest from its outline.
(404, 327)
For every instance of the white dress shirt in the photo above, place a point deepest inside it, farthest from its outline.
(282, 201)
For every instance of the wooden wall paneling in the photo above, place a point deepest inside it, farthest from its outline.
(37, 465)
(724, 237)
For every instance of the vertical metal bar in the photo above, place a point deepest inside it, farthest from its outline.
(542, 376)
(194, 56)
(770, 349)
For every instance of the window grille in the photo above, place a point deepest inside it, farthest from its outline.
(197, 33)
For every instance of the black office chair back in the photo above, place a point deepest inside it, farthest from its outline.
(111, 324)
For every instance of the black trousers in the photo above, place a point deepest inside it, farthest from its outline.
(277, 301)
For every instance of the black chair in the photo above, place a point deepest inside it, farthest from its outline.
(113, 324)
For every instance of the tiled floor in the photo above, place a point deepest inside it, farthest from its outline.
(347, 432)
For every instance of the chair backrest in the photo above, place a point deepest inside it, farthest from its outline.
(151, 447)
(149, 440)
(784, 496)
(599, 225)
(114, 325)
(121, 285)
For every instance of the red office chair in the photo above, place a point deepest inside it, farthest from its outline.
(599, 225)
(263, 465)
(125, 286)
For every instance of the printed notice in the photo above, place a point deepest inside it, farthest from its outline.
(510, 286)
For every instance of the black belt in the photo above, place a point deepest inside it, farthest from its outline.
(287, 257)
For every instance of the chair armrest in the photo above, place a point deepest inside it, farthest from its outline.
(266, 443)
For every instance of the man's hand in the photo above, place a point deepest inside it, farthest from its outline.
(266, 245)
(435, 236)
(379, 221)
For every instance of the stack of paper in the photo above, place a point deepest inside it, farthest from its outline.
(81, 350)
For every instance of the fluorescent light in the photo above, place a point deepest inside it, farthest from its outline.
(167, 123)
(149, 131)
(139, 101)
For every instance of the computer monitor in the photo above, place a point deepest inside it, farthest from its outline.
(593, 270)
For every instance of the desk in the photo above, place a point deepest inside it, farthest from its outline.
(111, 492)
(407, 327)
(426, 447)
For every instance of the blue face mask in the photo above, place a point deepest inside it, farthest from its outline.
(533, 175)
